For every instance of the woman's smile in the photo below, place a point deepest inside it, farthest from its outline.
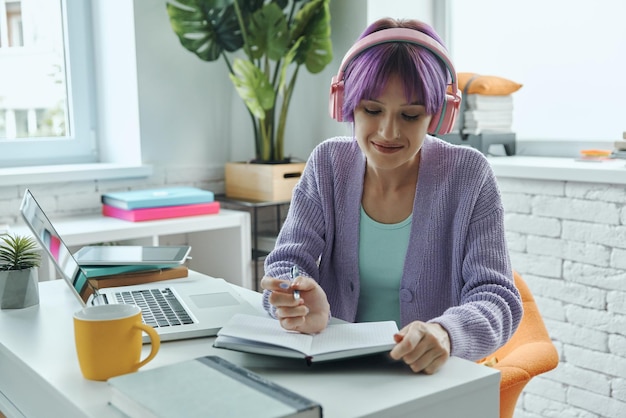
(386, 147)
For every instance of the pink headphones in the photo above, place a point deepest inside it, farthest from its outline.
(443, 121)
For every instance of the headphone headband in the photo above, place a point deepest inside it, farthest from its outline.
(391, 35)
(443, 121)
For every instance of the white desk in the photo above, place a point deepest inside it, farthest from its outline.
(221, 243)
(40, 377)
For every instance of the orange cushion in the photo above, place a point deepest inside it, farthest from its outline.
(489, 85)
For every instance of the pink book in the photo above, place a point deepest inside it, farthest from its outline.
(163, 212)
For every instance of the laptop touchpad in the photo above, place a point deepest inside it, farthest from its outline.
(213, 300)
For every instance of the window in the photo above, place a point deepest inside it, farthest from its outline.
(567, 54)
(47, 104)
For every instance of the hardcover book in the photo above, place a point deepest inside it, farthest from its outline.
(150, 198)
(206, 387)
(139, 277)
(92, 272)
(264, 335)
(164, 212)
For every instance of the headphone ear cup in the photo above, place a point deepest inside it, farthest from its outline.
(443, 121)
(335, 100)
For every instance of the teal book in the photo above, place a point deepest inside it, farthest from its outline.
(100, 271)
(206, 387)
(160, 197)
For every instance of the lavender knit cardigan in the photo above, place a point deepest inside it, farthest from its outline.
(457, 270)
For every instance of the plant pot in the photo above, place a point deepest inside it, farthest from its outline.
(264, 182)
(19, 288)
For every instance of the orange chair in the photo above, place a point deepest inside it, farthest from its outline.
(528, 353)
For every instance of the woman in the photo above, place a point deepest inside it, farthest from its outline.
(394, 223)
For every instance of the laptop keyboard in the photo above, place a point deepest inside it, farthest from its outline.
(159, 307)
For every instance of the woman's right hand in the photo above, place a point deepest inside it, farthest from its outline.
(308, 314)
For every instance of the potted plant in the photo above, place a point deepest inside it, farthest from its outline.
(264, 43)
(19, 279)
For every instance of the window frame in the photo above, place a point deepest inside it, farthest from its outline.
(80, 145)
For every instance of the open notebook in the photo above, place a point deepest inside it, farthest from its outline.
(195, 306)
(264, 335)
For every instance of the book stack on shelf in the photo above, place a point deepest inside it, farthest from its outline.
(486, 114)
(162, 203)
(485, 119)
(488, 104)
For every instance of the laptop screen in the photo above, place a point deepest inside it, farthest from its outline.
(50, 240)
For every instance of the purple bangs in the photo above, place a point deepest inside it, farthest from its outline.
(424, 75)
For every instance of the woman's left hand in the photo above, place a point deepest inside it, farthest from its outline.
(425, 347)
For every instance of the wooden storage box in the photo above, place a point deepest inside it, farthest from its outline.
(265, 182)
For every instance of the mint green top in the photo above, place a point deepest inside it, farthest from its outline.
(382, 250)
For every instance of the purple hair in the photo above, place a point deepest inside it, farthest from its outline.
(424, 75)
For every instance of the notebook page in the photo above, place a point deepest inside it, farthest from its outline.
(341, 337)
(266, 330)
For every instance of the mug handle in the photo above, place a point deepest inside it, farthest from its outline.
(155, 343)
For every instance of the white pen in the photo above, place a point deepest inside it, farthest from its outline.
(295, 272)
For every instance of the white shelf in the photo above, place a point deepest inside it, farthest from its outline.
(561, 169)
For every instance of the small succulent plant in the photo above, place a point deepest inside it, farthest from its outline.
(18, 252)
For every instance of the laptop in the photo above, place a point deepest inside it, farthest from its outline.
(199, 305)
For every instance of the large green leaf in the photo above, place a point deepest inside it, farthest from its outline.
(268, 34)
(205, 27)
(312, 24)
(254, 87)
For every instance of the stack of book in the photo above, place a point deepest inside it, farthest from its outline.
(486, 114)
(162, 203)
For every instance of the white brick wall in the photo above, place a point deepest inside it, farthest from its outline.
(568, 240)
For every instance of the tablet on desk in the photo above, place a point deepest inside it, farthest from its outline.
(95, 255)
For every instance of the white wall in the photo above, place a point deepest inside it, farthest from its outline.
(184, 101)
(400, 9)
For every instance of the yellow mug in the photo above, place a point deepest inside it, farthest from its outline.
(109, 340)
